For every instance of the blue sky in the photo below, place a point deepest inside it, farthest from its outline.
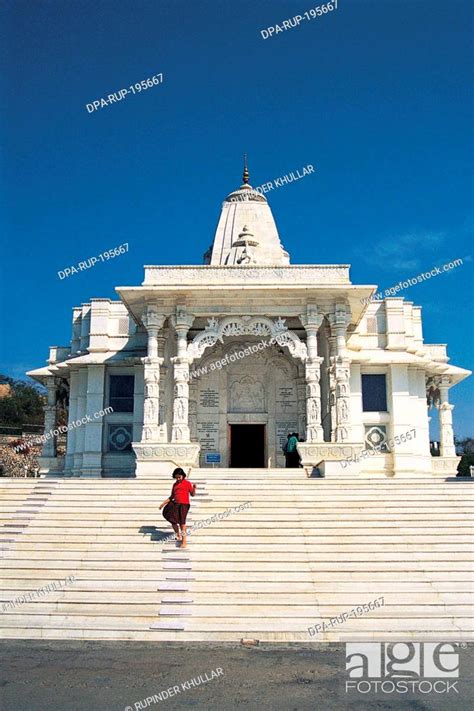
(374, 94)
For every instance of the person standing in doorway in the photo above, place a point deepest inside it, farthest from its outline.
(285, 450)
(292, 452)
(300, 439)
(177, 506)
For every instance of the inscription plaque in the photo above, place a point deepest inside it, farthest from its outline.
(286, 399)
(208, 436)
(209, 398)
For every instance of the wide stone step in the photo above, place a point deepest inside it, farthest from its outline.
(84, 582)
(145, 526)
(252, 487)
(169, 635)
(152, 534)
(44, 541)
(421, 520)
(240, 624)
(304, 497)
(316, 587)
(252, 491)
(316, 513)
(214, 570)
(317, 592)
(314, 614)
(218, 543)
(153, 554)
(227, 476)
(256, 557)
(137, 486)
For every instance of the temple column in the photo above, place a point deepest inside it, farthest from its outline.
(182, 322)
(162, 420)
(301, 399)
(311, 322)
(71, 435)
(93, 429)
(193, 409)
(446, 434)
(49, 446)
(80, 413)
(340, 372)
(332, 386)
(151, 429)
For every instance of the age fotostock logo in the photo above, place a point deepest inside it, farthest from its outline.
(402, 667)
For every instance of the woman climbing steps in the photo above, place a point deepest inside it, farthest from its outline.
(175, 509)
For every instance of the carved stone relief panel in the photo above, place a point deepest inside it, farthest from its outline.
(246, 395)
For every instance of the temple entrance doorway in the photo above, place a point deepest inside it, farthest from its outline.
(247, 446)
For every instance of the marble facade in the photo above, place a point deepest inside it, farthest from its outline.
(293, 343)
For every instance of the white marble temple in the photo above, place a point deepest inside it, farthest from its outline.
(197, 353)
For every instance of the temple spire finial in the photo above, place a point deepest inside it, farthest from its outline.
(245, 176)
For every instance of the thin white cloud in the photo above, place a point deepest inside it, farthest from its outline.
(405, 252)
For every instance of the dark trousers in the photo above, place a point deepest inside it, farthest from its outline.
(293, 460)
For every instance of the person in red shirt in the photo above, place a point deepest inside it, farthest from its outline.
(177, 506)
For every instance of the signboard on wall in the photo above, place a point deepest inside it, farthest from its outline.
(208, 435)
(286, 402)
(209, 398)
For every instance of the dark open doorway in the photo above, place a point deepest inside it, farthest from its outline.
(247, 446)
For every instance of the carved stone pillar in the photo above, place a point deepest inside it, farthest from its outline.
(162, 420)
(193, 420)
(151, 430)
(342, 379)
(312, 321)
(332, 386)
(301, 399)
(314, 430)
(446, 434)
(49, 446)
(340, 376)
(182, 322)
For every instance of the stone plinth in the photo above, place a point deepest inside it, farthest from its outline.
(161, 459)
(445, 465)
(321, 454)
(50, 465)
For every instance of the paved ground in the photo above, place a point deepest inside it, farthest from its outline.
(93, 676)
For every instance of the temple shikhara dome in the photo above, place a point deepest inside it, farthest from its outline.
(217, 363)
(246, 227)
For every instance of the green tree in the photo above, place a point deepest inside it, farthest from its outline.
(24, 405)
(465, 448)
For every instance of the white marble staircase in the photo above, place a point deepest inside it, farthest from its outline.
(305, 550)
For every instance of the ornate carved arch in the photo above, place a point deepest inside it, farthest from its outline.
(246, 326)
